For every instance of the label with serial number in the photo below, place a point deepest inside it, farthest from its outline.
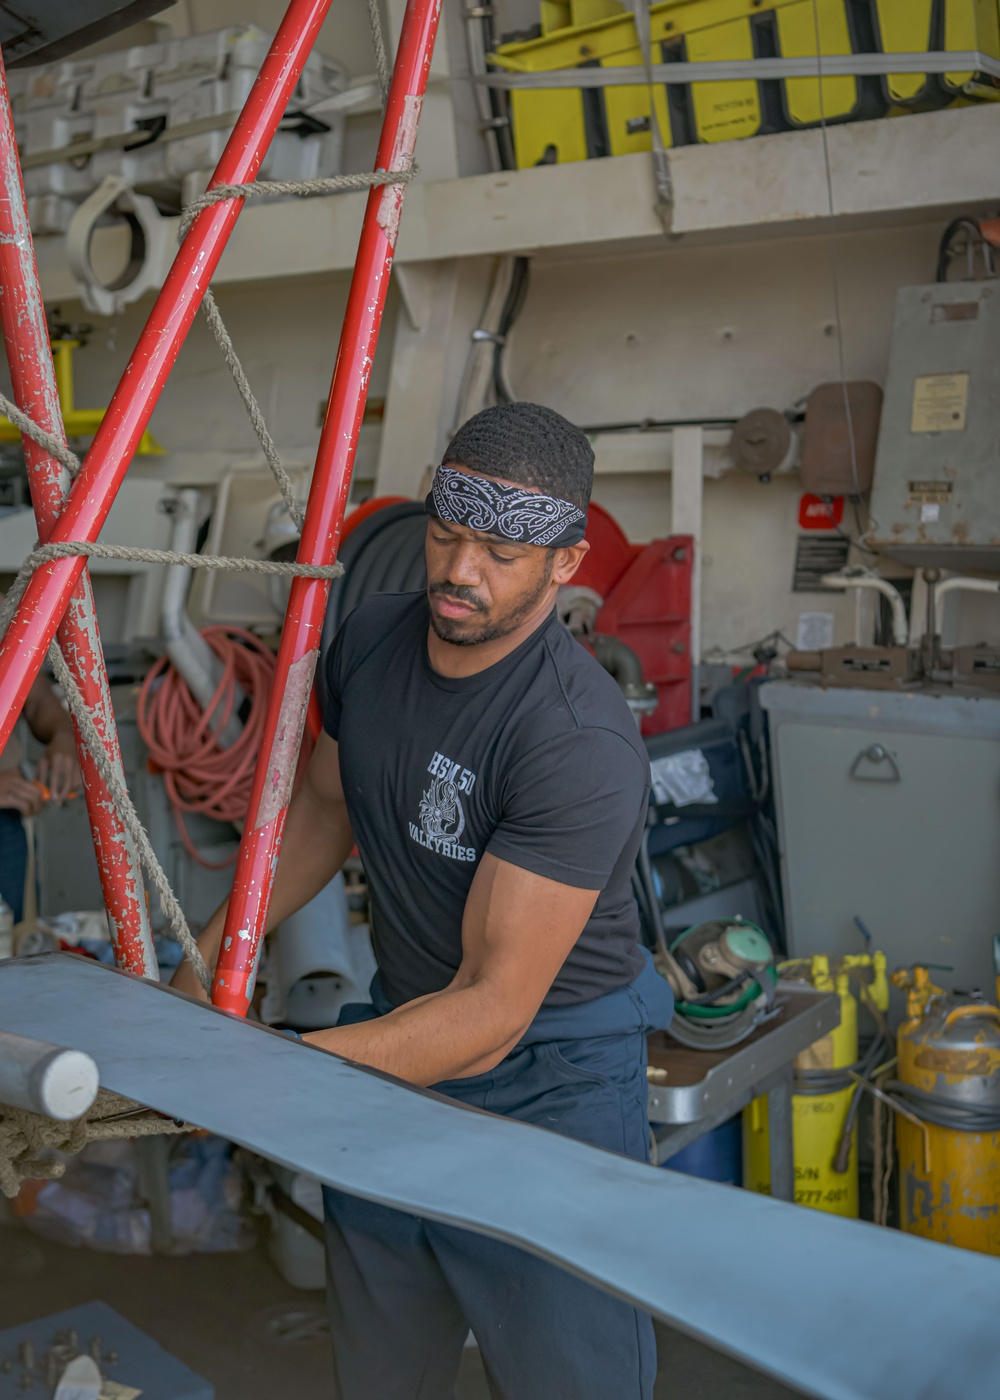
(940, 402)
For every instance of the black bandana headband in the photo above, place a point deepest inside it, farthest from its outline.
(524, 517)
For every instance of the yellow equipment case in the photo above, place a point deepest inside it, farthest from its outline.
(564, 124)
(921, 26)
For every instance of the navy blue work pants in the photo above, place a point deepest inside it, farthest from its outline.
(13, 860)
(404, 1292)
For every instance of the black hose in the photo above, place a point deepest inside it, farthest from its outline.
(708, 998)
(645, 870)
(870, 1062)
(945, 1112)
(963, 221)
(618, 658)
(831, 1081)
(512, 307)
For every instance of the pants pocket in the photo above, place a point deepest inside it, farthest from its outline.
(615, 1062)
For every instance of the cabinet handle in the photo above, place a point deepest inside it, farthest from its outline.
(876, 754)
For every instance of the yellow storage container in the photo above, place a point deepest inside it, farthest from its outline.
(555, 125)
(819, 1116)
(843, 27)
(949, 1078)
(919, 26)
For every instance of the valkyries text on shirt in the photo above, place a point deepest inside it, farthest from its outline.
(442, 815)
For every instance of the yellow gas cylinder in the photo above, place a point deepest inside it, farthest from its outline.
(826, 1176)
(949, 1079)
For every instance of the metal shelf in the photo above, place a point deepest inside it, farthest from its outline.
(884, 172)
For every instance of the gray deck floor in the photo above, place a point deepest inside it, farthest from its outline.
(213, 1312)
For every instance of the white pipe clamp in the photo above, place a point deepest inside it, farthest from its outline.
(150, 246)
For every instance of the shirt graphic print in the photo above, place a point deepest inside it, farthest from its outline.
(441, 819)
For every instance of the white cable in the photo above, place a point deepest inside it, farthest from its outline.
(900, 624)
(965, 585)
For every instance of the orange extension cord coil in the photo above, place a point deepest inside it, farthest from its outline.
(199, 775)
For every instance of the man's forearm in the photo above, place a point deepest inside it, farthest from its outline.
(46, 717)
(461, 1031)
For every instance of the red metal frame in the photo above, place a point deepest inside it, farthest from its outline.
(33, 626)
(331, 481)
(29, 356)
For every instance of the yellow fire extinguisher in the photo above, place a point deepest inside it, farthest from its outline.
(949, 1081)
(825, 1100)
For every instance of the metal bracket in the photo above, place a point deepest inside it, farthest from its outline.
(150, 243)
(750, 69)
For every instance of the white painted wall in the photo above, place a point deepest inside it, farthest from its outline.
(693, 331)
(286, 336)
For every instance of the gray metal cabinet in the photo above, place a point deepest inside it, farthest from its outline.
(889, 808)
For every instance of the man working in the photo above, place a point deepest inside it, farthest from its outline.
(496, 786)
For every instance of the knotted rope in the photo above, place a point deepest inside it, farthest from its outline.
(27, 1140)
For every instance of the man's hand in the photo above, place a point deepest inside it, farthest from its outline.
(20, 793)
(516, 934)
(58, 768)
(51, 726)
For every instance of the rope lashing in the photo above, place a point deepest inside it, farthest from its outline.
(270, 189)
(29, 428)
(44, 554)
(28, 1139)
(86, 727)
(92, 549)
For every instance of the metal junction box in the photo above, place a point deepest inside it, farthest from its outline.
(936, 498)
(888, 809)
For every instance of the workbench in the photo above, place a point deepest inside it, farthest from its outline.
(705, 1088)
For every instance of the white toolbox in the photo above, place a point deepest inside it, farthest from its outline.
(157, 91)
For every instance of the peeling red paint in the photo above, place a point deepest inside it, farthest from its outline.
(331, 482)
(34, 385)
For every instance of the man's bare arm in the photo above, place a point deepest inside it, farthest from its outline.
(316, 842)
(51, 726)
(517, 932)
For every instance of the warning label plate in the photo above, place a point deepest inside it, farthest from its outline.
(930, 493)
(940, 402)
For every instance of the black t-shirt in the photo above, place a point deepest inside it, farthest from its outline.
(536, 759)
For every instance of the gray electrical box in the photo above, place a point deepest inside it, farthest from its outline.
(936, 497)
(888, 809)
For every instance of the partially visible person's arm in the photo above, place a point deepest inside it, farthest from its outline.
(20, 793)
(517, 931)
(316, 842)
(51, 726)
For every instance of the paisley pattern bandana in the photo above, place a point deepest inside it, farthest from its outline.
(524, 517)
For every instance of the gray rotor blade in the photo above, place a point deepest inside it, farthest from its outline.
(839, 1309)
